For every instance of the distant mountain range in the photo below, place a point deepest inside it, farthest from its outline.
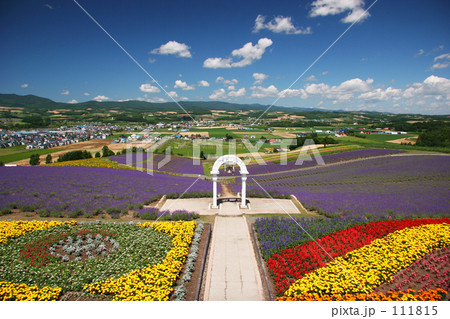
(36, 102)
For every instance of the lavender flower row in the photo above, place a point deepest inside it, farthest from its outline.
(175, 164)
(407, 185)
(86, 189)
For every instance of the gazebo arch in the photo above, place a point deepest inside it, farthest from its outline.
(227, 160)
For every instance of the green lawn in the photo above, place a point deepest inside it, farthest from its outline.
(17, 153)
(185, 148)
(222, 132)
(387, 137)
(214, 132)
(370, 143)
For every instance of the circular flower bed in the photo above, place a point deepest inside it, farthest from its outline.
(70, 257)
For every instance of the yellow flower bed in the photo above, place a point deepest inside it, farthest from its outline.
(154, 282)
(104, 163)
(92, 162)
(15, 229)
(370, 266)
(22, 292)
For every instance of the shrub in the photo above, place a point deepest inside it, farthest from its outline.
(56, 213)
(97, 155)
(113, 210)
(34, 159)
(165, 217)
(48, 159)
(75, 214)
(148, 216)
(98, 211)
(181, 215)
(28, 208)
(74, 155)
(43, 213)
(13, 205)
(107, 152)
(5, 211)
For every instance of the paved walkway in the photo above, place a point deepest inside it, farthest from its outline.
(232, 270)
(257, 206)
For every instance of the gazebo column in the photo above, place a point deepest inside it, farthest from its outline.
(214, 205)
(244, 191)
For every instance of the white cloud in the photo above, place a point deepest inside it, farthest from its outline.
(150, 60)
(25, 85)
(445, 56)
(86, 94)
(72, 101)
(248, 54)
(216, 63)
(259, 77)
(183, 85)
(333, 7)
(219, 94)
(441, 65)
(231, 88)
(238, 93)
(173, 47)
(65, 92)
(430, 96)
(156, 100)
(311, 78)
(279, 24)
(203, 83)
(48, 6)
(172, 94)
(287, 93)
(432, 86)
(262, 92)
(220, 79)
(342, 92)
(148, 88)
(100, 98)
(421, 52)
(382, 95)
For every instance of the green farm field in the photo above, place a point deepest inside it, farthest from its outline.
(17, 153)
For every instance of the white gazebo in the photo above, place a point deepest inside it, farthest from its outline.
(229, 160)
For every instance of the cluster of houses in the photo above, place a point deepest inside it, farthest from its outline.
(343, 132)
(48, 138)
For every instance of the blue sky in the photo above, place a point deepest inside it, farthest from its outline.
(395, 58)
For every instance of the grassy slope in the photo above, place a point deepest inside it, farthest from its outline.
(17, 153)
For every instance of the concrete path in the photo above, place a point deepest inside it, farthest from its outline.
(232, 270)
(257, 206)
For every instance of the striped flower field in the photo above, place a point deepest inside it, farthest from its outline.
(352, 263)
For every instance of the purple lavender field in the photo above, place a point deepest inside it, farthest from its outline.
(176, 164)
(272, 167)
(86, 189)
(406, 185)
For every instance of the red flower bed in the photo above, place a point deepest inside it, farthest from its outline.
(430, 272)
(37, 254)
(292, 264)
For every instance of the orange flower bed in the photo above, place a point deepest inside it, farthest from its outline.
(409, 295)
